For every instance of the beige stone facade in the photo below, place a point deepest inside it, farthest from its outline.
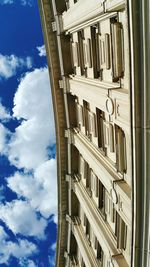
(92, 54)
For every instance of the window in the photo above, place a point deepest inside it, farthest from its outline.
(95, 50)
(80, 51)
(104, 50)
(88, 231)
(82, 263)
(109, 208)
(99, 253)
(67, 4)
(100, 128)
(81, 167)
(92, 123)
(120, 232)
(86, 108)
(74, 55)
(120, 150)
(101, 196)
(88, 180)
(117, 49)
(94, 184)
(79, 114)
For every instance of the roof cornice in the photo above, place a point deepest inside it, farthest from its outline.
(47, 17)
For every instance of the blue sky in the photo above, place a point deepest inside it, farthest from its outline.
(28, 193)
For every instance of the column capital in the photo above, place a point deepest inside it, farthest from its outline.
(64, 84)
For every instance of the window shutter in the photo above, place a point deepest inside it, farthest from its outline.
(107, 51)
(102, 52)
(81, 166)
(93, 238)
(109, 207)
(106, 133)
(80, 114)
(92, 123)
(75, 54)
(85, 54)
(89, 52)
(86, 167)
(117, 49)
(111, 211)
(82, 216)
(92, 181)
(107, 203)
(111, 138)
(96, 186)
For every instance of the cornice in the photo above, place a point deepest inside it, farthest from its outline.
(47, 18)
(140, 80)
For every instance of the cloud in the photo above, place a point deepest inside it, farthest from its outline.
(10, 64)
(4, 133)
(28, 149)
(31, 264)
(20, 218)
(40, 190)
(53, 247)
(33, 104)
(2, 194)
(20, 249)
(27, 263)
(26, 2)
(52, 261)
(41, 50)
(4, 2)
(4, 113)
(22, 2)
(52, 255)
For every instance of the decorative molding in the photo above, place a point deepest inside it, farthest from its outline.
(110, 106)
(69, 135)
(77, 14)
(64, 84)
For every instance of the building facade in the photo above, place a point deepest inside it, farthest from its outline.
(97, 58)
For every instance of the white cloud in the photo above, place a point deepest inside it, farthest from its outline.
(40, 190)
(52, 260)
(4, 113)
(26, 2)
(20, 249)
(3, 2)
(33, 103)
(31, 264)
(21, 218)
(41, 50)
(3, 235)
(10, 64)
(3, 139)
(22, 2)
(27, 263)
(53, 247)
(2, 194)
